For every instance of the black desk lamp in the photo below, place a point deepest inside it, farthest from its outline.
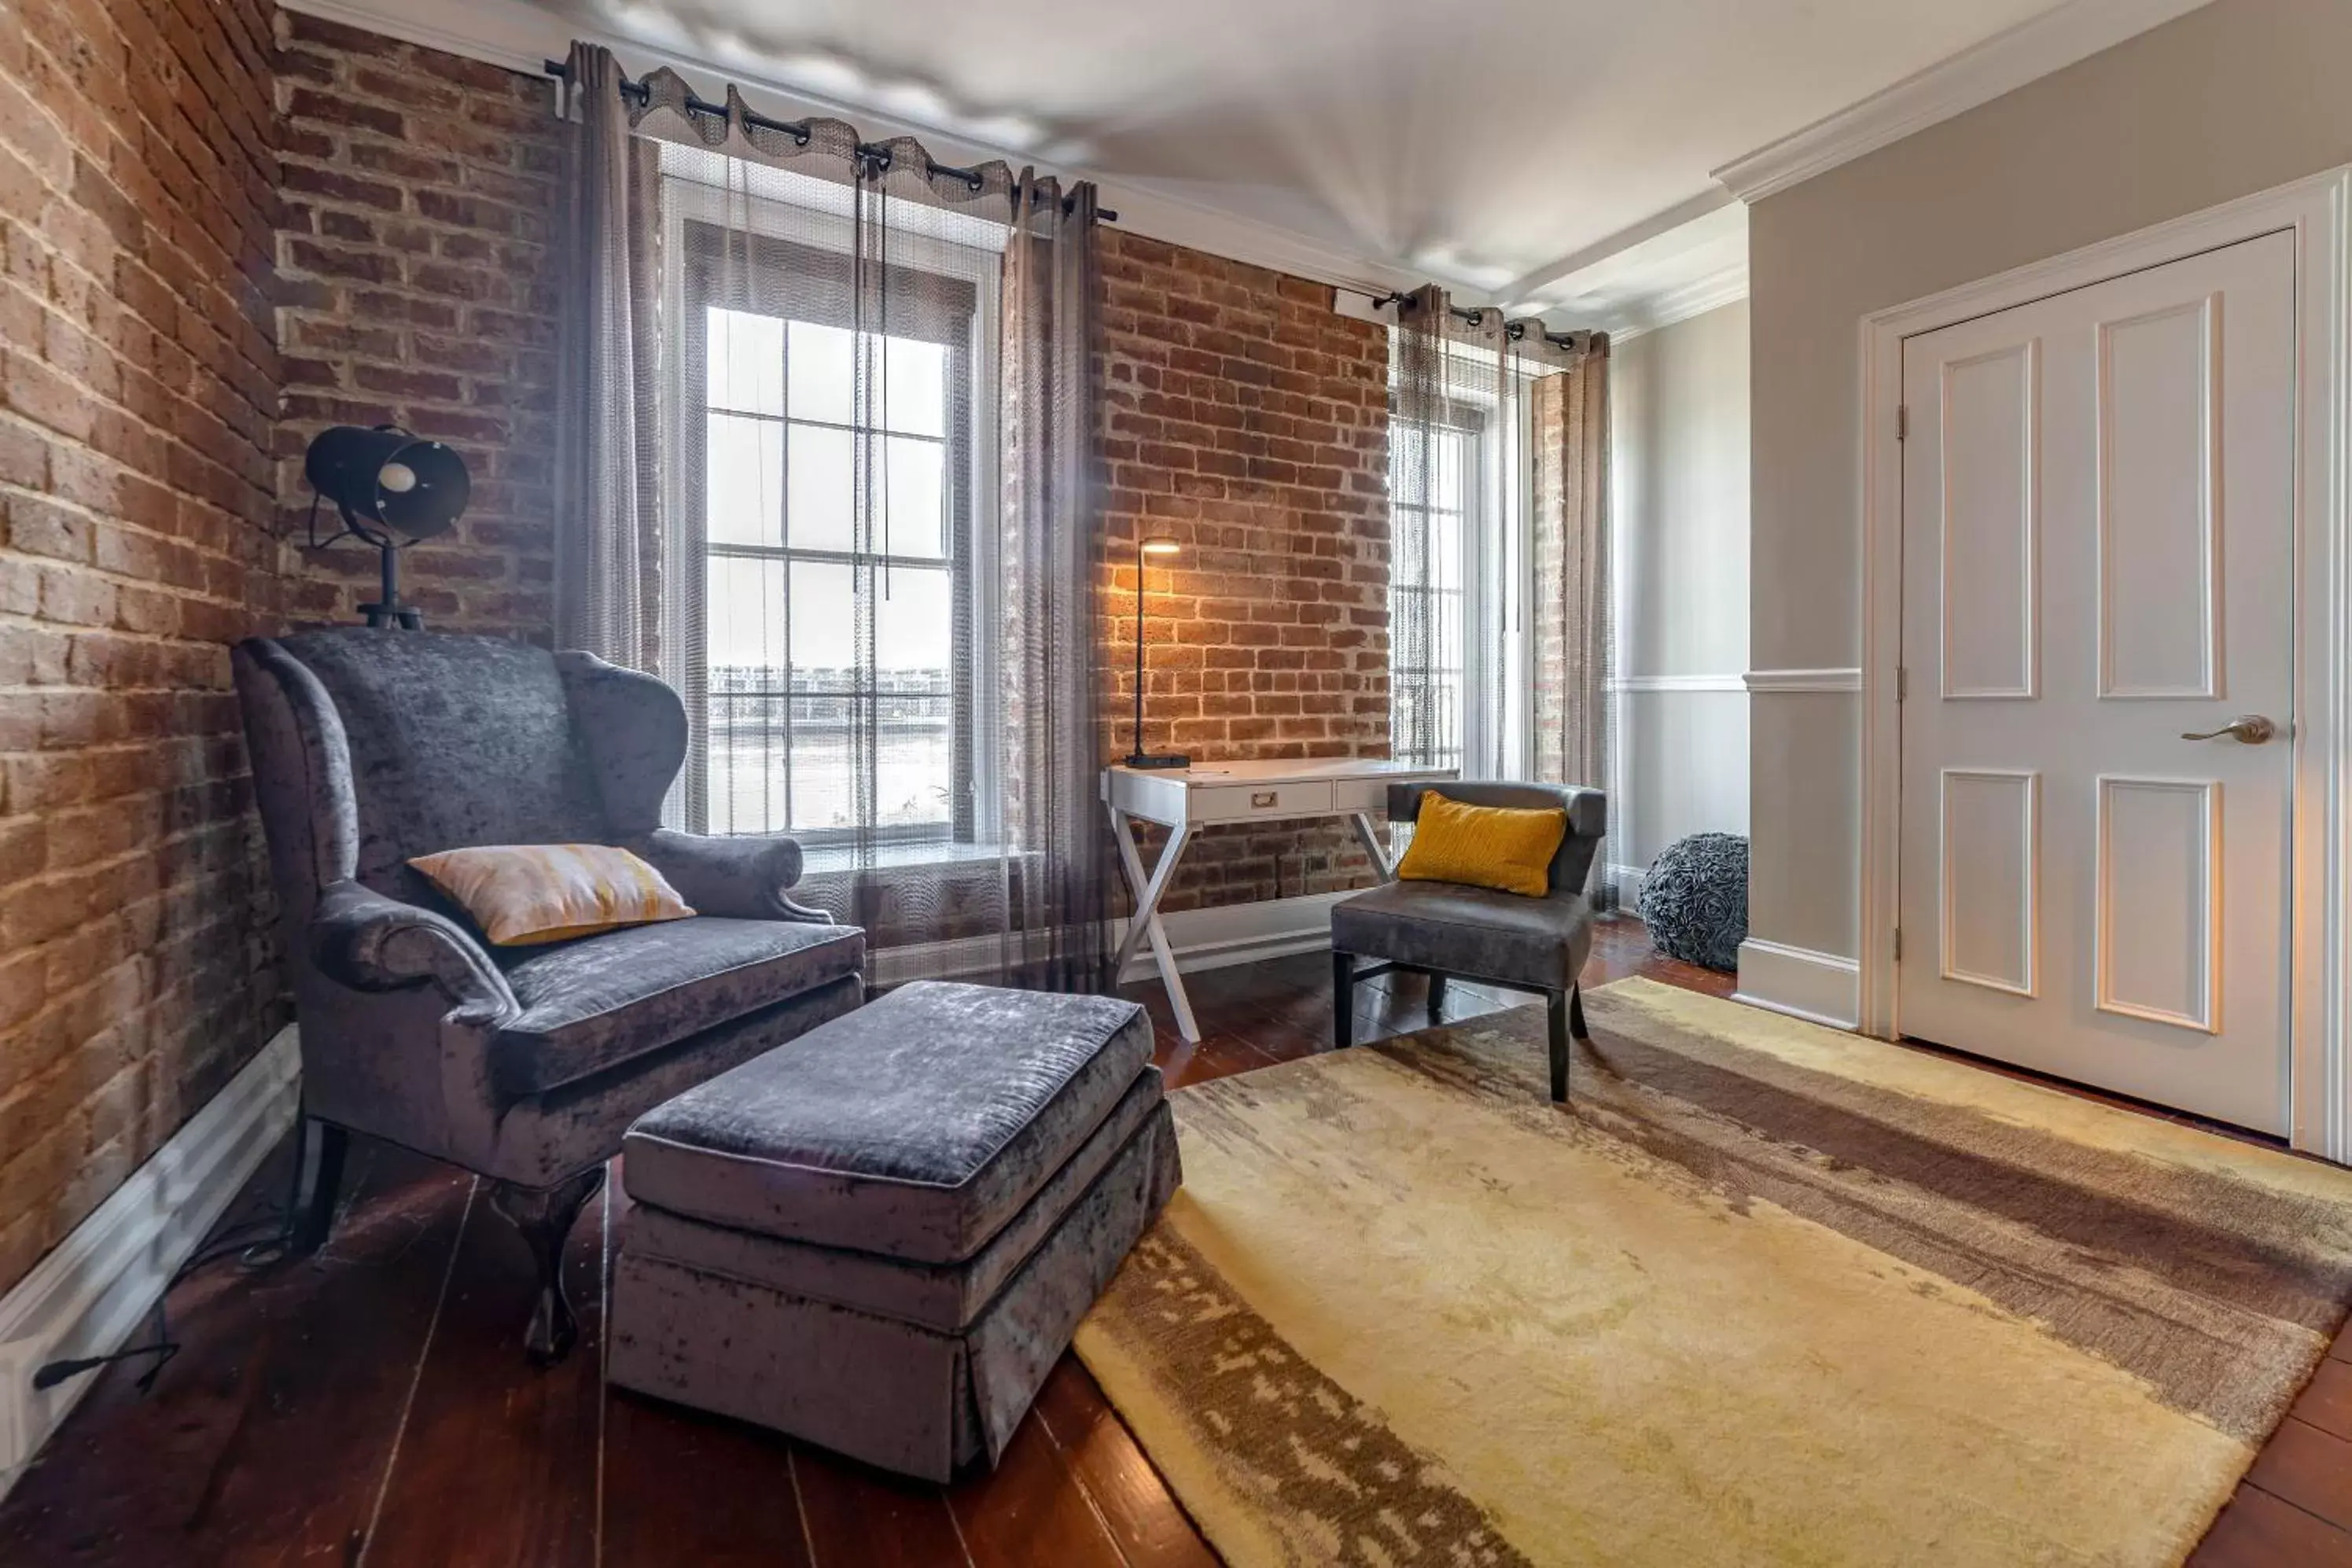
(1158, 544)
(392, 490)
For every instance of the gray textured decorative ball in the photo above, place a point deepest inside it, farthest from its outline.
(1694, 900)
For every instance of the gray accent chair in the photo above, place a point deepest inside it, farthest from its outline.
(1443, 929)
(525, 1065)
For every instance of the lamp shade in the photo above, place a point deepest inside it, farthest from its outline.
(388, 477)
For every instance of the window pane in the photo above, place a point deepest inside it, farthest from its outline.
(743, 630)
(823, 374)
(914, 395)
(824, 488)
(912, 697)
(908, 380)
(743, 480)
(1446, 550)
(916, 500)
(744, 368)
(743, 616)
(912, 628)
(1445, 478)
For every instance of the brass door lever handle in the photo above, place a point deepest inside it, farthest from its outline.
(2246, 728)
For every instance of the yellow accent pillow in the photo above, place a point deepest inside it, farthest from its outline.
(521, 894)
(1499, 847)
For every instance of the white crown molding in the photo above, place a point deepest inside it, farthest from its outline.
(1697, 298)
(1804, 680)
(2001, 64)
(522, 37)
(1657, 225)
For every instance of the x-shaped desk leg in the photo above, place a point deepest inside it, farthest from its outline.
(1145, 922)
(1374, 845)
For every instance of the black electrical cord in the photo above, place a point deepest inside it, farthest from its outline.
(257, 1244)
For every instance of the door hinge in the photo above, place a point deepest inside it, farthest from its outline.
(1899, 944)
(1902, 422)
(1902, 683)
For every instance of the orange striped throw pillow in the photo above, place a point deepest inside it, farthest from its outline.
(1503, 848)
(521, 894)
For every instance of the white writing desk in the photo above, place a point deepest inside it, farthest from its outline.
(1185, 799)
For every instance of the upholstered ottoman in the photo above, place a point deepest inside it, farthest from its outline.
(880, 1237)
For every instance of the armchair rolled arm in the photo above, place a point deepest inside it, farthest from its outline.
(744, 879)
(364, 939)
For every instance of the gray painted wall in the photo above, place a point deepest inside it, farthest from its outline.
(2233, 98)
(1679, 421)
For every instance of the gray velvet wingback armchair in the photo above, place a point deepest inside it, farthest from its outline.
(1443, 928)
(524, 1065)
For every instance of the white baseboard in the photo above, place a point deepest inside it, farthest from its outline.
(1240, 933)
(89, 1295)
(1202, 938)
(1820, 987)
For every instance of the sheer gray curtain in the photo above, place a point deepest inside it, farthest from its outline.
(1055, 937)
(607, 462)
(871, 406)
(1499, 574)
(1573, 617)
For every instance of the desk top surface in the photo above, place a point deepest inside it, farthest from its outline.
(1295, 769)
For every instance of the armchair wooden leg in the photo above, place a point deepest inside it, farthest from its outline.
(1436, 994)
(1576, 1013)
(1556, 1021)
(545, 1215)
(320, 1149)
(1343, 998)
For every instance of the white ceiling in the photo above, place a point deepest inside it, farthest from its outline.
(1497, 145)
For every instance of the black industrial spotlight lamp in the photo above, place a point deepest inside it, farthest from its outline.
(1158, 544)
(392, 490)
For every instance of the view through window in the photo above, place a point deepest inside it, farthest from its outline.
(1432, 493)
(813, 689)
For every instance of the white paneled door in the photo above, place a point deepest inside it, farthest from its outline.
(2098, 559)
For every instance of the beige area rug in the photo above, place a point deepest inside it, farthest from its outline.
(1765, 1293)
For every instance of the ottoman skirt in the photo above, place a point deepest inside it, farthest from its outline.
(914, 1367)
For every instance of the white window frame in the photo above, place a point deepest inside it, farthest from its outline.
(1496, 573)
(823, 223)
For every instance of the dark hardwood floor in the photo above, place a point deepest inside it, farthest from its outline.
(372, 1405)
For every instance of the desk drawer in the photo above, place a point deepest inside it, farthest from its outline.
(1239, 803)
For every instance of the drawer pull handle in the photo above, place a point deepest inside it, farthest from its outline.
(1262, 798)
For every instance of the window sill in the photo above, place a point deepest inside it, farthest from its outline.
(836, 862)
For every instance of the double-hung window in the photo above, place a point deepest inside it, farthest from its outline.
(1434, 492)
(837, 614)
(1459, 691)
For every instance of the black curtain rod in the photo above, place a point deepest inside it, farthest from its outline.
(1476, 315)
(798, 129)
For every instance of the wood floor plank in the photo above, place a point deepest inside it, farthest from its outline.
(685, 1487)
(861, 1518)
(1183, 1062)
(266, 1442)
(498, 1464)
(2325, 1401)
(1031, 1510)
(2258, 1531)
(1143, 1515)
(2308, 1468)
(263, 1442)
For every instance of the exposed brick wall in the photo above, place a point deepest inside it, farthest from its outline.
(224, 227)
(1246, 418)
(138, 383)
(418, 289)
